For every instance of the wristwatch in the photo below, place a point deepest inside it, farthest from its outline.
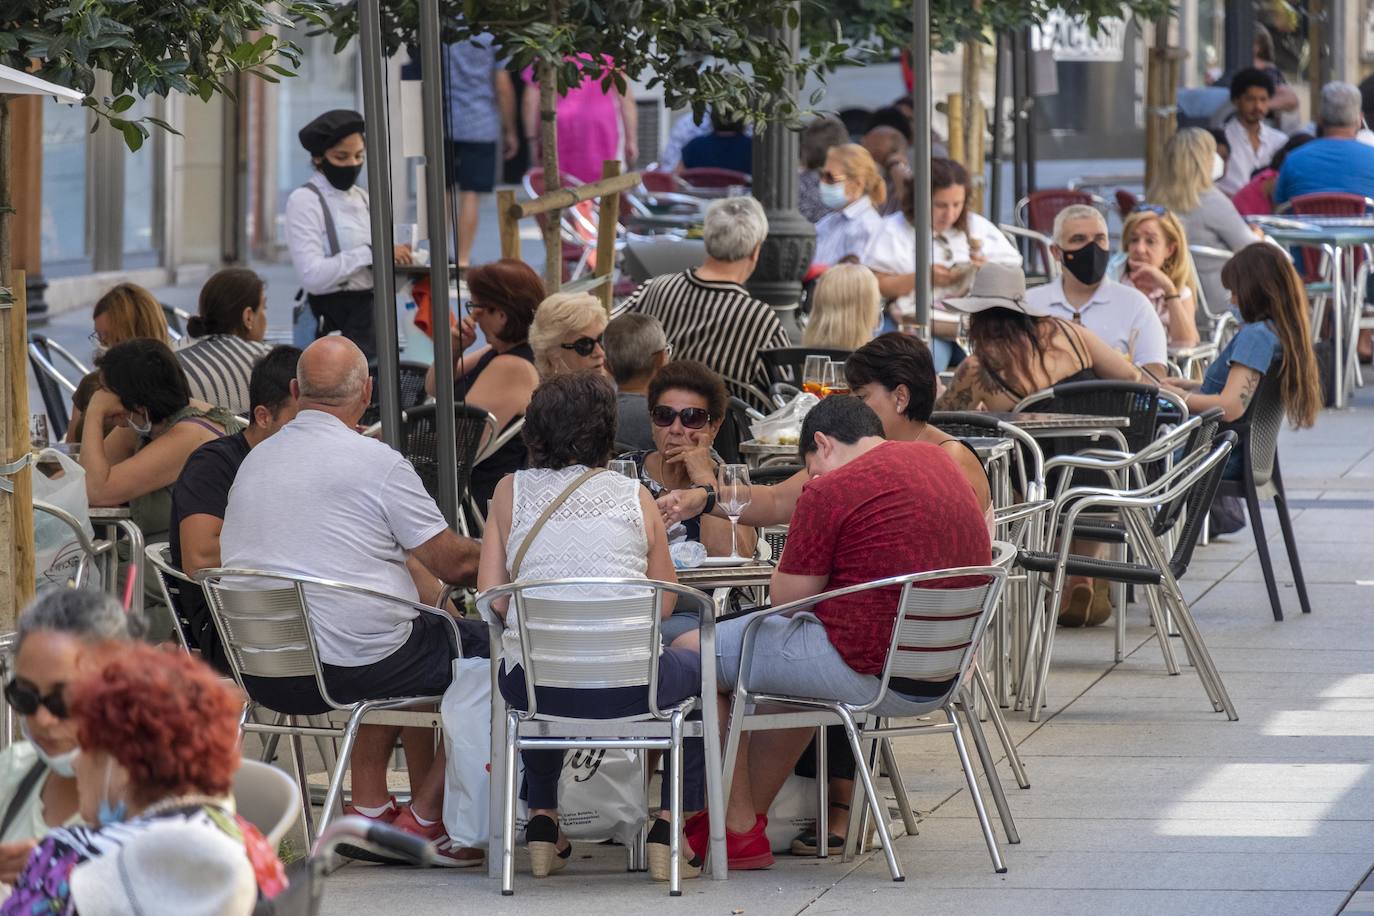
(710, 496)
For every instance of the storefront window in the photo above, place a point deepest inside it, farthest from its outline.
(64, 190)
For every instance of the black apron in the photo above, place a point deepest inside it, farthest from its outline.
(350, 312)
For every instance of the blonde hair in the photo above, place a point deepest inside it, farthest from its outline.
(1185, 171)
(844, 308)
(858, 165)
(1178, 267)
(131, 312)
(556, 316)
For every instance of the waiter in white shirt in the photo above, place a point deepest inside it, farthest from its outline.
(329, 230)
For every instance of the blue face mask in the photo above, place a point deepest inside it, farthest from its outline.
(110, 814)
(833, 195)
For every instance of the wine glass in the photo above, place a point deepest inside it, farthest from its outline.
(813, 375)
(624, 467)
(835, 381)
(733, 495)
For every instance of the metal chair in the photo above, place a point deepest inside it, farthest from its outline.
(1039, 246)
(411, 375)
(1037, 210)
(54, 387)
(176, 322)
(495, 442)
(1182, 495)
(264, 623)
(611, 640)
(420, 445)
(935, 637)
(92, 549)
(785, 364)
(1126, 202)
(1258, 431)
(170, 582)
(773, 474)
(1136, 401)
(1030, 458)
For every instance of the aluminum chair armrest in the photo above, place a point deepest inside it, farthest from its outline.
(1166, 488)
(89, 545)
(497, 440)
(1018, 511)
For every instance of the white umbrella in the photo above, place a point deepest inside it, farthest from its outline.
(17, 82)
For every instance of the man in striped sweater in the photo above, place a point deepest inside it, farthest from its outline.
(706, 311)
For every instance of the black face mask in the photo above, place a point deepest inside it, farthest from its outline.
(1088, 264)
(342, 177)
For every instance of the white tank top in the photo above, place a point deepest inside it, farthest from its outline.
(597, 532)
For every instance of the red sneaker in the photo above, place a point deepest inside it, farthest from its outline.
(698, 831)
(751, 850)
(447, 854)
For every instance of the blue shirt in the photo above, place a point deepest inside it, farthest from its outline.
(472, 110)
(1326, 165)
(720, 151)
(1255, 346)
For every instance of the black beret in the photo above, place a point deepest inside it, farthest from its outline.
(328, 129)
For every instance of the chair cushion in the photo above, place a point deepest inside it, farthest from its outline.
(1116, 571)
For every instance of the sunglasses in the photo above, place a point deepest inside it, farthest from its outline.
(1156, 209)
(692, 417)
(26, 699)
(584, 346)
(95, 339)
(830, 177)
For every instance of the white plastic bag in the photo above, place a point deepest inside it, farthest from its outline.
(793, 811)
(600, 796)
(57, 551)
(783, 426)
(466, 711)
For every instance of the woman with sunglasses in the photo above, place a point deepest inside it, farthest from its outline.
(498, 377)
(37, 776)
(1154, 247)
(567, 334)
(687, 404)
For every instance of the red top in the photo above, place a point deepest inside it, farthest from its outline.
(903, 507)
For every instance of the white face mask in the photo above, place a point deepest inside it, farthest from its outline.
(63, 765)
(1218, 166)
(143, 429)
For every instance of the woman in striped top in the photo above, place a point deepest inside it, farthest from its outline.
(228, 334)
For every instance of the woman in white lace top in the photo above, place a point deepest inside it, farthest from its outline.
(608, 527)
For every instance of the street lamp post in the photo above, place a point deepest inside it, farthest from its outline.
(791, 239)
(920, 169)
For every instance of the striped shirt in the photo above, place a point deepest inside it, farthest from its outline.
(217, 368)
(716, 323)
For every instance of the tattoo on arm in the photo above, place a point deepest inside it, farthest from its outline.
(1247, 391)
(960, 394)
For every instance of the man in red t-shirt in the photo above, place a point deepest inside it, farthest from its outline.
(873, 509)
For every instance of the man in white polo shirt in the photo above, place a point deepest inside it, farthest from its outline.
(1083, 292)
(318, 499)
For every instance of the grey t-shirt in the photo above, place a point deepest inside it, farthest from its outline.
(1216, 224)
(318, 499)
(632, 431)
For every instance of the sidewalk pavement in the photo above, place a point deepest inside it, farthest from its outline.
(1143, 800)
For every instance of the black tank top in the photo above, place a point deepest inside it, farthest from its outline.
(511, 456)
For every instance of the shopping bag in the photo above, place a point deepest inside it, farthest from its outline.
(466, 712)
(600, 795)
(59, 480)
(792, 812)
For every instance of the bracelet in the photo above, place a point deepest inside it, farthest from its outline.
(710, 497)
(1172, 296)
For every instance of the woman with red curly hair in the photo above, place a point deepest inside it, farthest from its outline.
(158, 732)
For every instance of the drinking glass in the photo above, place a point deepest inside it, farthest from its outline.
(813, 375)
(834, 380)
(38, 430)
(732, 495)
(624, 467)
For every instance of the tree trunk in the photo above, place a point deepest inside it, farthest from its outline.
(974, 120)
(548, 141)
(9, 582)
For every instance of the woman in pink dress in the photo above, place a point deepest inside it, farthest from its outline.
(589, 123)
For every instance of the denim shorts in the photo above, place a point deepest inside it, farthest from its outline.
(793, 656)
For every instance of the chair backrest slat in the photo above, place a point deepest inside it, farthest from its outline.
(264, 630)
(936, 629)
(589, 641)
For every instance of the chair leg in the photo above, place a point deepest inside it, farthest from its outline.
(675, 812)
(1042, 674)
(1206, 668)
(980, 744)
(303, 779)
(1262, 547)
(508, 821)
(977, 796)
(1290, 542)
(894, 777)
(822, 795)
(333, 799)
(874, 802)
(1013, 757)
(1158, 617)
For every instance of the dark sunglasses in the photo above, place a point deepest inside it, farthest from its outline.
(692, 417)
(1156, 209)
(26, 699)
(584, 346)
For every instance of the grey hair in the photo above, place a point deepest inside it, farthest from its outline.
(632, 342)
(1075, 211)
(341, 389)
(1340, 105)
(735, 226)
(89, 615)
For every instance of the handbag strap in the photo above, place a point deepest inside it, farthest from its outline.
(22, 793)
(544, 517)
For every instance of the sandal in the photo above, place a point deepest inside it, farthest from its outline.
(658, 851)
(541, 838)
(804, 843)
